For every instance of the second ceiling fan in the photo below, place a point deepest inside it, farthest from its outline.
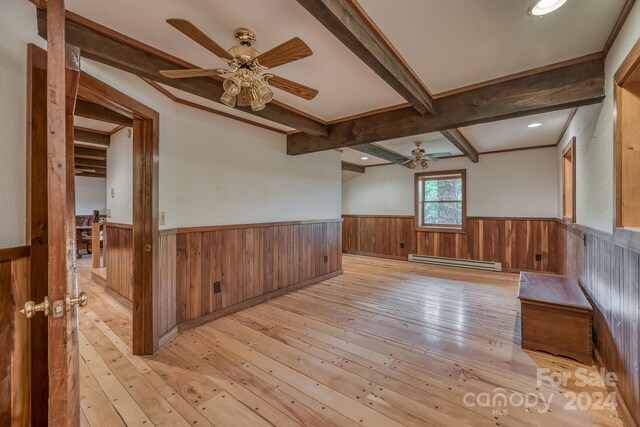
(246, 82)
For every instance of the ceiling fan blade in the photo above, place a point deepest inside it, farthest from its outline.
(184, 74)
(289, 51)
(297, 89)
(190, 30)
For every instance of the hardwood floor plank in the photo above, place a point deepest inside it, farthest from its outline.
(388, 343)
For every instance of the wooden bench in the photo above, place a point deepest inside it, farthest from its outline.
(555, 316)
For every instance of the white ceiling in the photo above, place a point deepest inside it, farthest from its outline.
(501, 135)
(93, 124)
(455, 43)
(514, 133)
(347, 86)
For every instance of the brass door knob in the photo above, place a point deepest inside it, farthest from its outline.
(82, 299)
(30, 308)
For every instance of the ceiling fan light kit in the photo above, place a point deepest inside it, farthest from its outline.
(419, 157)
(246, 84)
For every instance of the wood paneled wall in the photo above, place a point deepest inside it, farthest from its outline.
(118, 258)
(610, 275)
(387, 236)
(167, 292)
(251, 262)
(512, 241)
(15, 397)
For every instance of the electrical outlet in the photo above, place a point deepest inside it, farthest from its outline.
(401, 245)
(538, 257)
(217, 287)
(161, 218)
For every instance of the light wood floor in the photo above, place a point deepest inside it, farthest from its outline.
(388, 343)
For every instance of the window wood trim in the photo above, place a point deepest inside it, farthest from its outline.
(569, 149)
(628, 73)
(444, 228)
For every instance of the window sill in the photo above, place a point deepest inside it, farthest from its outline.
(440, 230)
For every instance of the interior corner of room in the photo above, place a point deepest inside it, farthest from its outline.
(320, 212)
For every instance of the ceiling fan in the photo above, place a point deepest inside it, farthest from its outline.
(246, 82)
(420, 158)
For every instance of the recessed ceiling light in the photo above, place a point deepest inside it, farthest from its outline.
(364, 158)
(543, 7)
(534, 125)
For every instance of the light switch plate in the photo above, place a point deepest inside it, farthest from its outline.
(108, 213)
(113, 193)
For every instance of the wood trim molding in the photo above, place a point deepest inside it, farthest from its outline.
(572, 114)
(626, 9)
(190, 324)
(376, 216)
(571, 147)
(629, 64)
(206, 228)
(197, 106)
(417, 178)
(17, 252)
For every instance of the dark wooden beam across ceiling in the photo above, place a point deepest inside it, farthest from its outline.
(352, 167)
(89, 110)
(381, 153)
(90, 153)
(362, 37)
(560, 88)
(119, 51)
(97, 138)
(461, 143)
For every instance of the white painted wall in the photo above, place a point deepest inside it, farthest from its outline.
(91, 194)
(213, 170)
(120, 177)
(593, 129)
(17, 28)
(514, 184)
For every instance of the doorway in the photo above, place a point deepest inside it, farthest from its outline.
(145, 250)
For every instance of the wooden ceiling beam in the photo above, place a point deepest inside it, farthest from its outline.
(89, 110)
(90, 153)
(461, 143)
(97, 138)
(382, 153)
(561, 88)
(352, 167)
(349, 24)
(119, 51)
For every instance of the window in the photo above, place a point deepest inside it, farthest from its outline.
(441, 200)
(569, 181)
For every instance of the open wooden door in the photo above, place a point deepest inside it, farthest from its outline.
(53, 87)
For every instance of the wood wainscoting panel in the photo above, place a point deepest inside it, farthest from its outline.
(118, 259)
(248, 263)
(610, 275)
(391, 236)
(167, 292)
(518, 243)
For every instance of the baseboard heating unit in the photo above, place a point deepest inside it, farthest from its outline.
(454, 262)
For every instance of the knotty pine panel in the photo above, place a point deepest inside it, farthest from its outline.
(167, 280)
(514, 242)
(379, 235)
(610, 275)
(249, 262)
(118, 259)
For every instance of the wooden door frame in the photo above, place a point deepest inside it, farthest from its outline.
(145, 207)
(145, 192)
(570, 148)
